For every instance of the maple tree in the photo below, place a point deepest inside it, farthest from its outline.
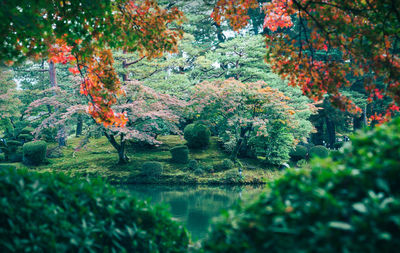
(363, 32)
(250, 117)
(82, 34)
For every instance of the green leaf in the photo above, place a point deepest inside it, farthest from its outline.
(340, 225)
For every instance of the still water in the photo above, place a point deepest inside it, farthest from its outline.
(194, 206)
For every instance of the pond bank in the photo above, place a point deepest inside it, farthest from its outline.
(99, 159)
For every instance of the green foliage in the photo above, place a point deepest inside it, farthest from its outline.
(152, 169)
(348, 205)
(298, 153)
(27, 130)
(198, 172)
(180, 154)
(226, 164)
(2, 157)
(197, 135)
(34, 152)
(193, 165)
(7, 166)
(276, 146)
(301, 163)
(338, 145)
(25, 137)
(55, 213)
(319, 151)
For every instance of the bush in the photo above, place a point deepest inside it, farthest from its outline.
(319, 151)
(15, 156)
(197, 135)
(25, 137)
(352, 205)
(226, 164)
(193, 165)
(338, 145)
(299, 153)
(198, 172)
(34, 152)
(27, 130)
(180, 154)
(301, 163)
(152, 169)
(54, 213)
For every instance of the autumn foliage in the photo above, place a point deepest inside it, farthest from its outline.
(305, 37)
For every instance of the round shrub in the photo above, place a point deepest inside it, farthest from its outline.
(197, 135)
(34, 152)
(193, 165)
(198, 172)
(298, 153)
(352, 205)
(226, 164)
(319, 151)
(180, 154)
(152, 169)
(43, 212)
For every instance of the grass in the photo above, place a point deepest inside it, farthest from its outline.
(99, 159)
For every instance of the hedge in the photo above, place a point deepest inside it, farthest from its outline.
(55, 213)
(351, 204)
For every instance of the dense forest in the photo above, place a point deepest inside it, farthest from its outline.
(295, 104)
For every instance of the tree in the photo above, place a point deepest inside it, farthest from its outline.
(149, 113)
(82, 33)
(250, 117)
(363, 33)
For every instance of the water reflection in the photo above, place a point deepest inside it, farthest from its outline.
(194, 206)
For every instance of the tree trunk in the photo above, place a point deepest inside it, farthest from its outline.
(122, 157)
(61, 135)
(318, 137)
(242, 139)
(79, 126)
(330, 128)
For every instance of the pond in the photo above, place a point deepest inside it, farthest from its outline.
(194, 206)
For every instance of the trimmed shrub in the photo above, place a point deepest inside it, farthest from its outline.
(27, 130)
(34, 152)
(193, 165)
(352, 205)
(43, 212)
(25, 137)
(180, 154)
(152, 169)
(319, 151)
(197, 135)
(198, 172)
(298, 153)
(226, 164)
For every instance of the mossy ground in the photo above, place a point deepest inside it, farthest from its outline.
(99, 159)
